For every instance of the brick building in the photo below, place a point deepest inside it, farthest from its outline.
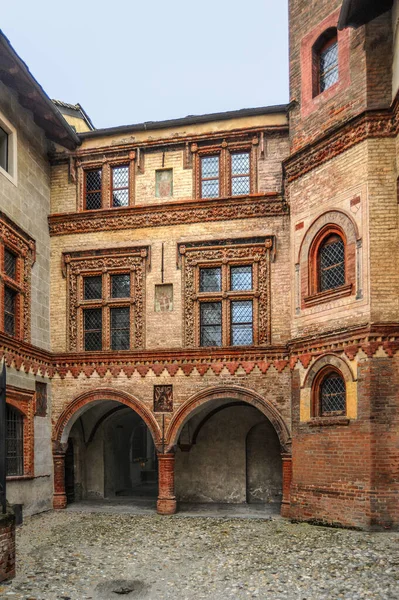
(215, 317)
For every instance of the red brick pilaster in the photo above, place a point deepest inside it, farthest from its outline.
(59, 498)
(287, 478)
(166, 504)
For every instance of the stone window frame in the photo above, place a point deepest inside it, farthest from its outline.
(105, 262)
(19, 243)
(224, 150)
(226, 253)
(332, 222)
(24, 402)
(105, 165)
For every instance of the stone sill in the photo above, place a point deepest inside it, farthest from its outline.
(328, 421)
(19, 477)
(341, 292)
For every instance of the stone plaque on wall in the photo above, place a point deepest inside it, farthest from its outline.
(163, 398)
(164, 297)
(164, 183)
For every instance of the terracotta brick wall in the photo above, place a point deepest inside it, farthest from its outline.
(7, 546)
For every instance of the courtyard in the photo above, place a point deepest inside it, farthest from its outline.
(88, 553)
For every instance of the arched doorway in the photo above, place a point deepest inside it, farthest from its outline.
(228, 446)
(110, 440)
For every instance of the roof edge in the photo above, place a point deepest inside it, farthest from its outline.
(189, 120)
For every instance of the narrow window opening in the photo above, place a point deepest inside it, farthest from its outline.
(332, 263)
(93, 189)
(14, 442)
(210, 176)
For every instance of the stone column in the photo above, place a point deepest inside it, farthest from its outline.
(166, 504)
(287, 479)
(59, 498)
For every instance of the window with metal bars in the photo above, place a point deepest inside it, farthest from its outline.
(241, 323)
(106, 324)
(93, 327)
(120, 328)
(14, 442)
(331, 263)
(210, 176)
(326, 61)
(120, 186)
(211, 323)
(10, 297)
(332, 395)
(226, 283)
(93, 179)
(240, 173)
(10, 263)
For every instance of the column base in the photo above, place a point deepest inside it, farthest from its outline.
(166, 506)
(59, 501)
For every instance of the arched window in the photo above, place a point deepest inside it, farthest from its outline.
(14, 442)
(332, 394)
(325, 61)
(331, 263)
(329, 393)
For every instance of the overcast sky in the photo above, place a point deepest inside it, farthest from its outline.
(128, 61)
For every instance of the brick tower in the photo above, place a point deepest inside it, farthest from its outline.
(341, 182)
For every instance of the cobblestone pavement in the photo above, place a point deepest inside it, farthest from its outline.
(81, 555)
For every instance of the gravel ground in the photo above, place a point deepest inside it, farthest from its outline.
(77, 556)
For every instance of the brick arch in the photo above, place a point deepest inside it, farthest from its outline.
(97, 395)
(325, 362)
(237, 393)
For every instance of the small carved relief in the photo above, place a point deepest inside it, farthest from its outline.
(163, 398)
(41, 399)
(164, 297)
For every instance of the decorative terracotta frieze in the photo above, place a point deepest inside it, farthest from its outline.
(171, 213)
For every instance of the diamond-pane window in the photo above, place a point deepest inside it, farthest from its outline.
(10, 263)
(93, 329)
(329, 65)
(210, 280)
(120, 286)
(93, 189)
(332, 263)
(120, 186)
(9, 310)
(241, 323)
(240, 177)
(241, 278)
(211, 323)
(332, 394)
(210, 176)
(120, 328)
(14, 442)
(92, 288)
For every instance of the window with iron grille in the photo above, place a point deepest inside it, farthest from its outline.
(240, 173)
(331, 261)
(10, 297)
(226, 295)
(120, 186)
(10, 264)
(226, 172)
(332, 395)
(210, 176)
(107, 305)
(14, 442)
(327, 57)
(93, 179)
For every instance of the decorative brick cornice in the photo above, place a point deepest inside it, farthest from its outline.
(369, 124)
(366, 339)
(172, 213)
